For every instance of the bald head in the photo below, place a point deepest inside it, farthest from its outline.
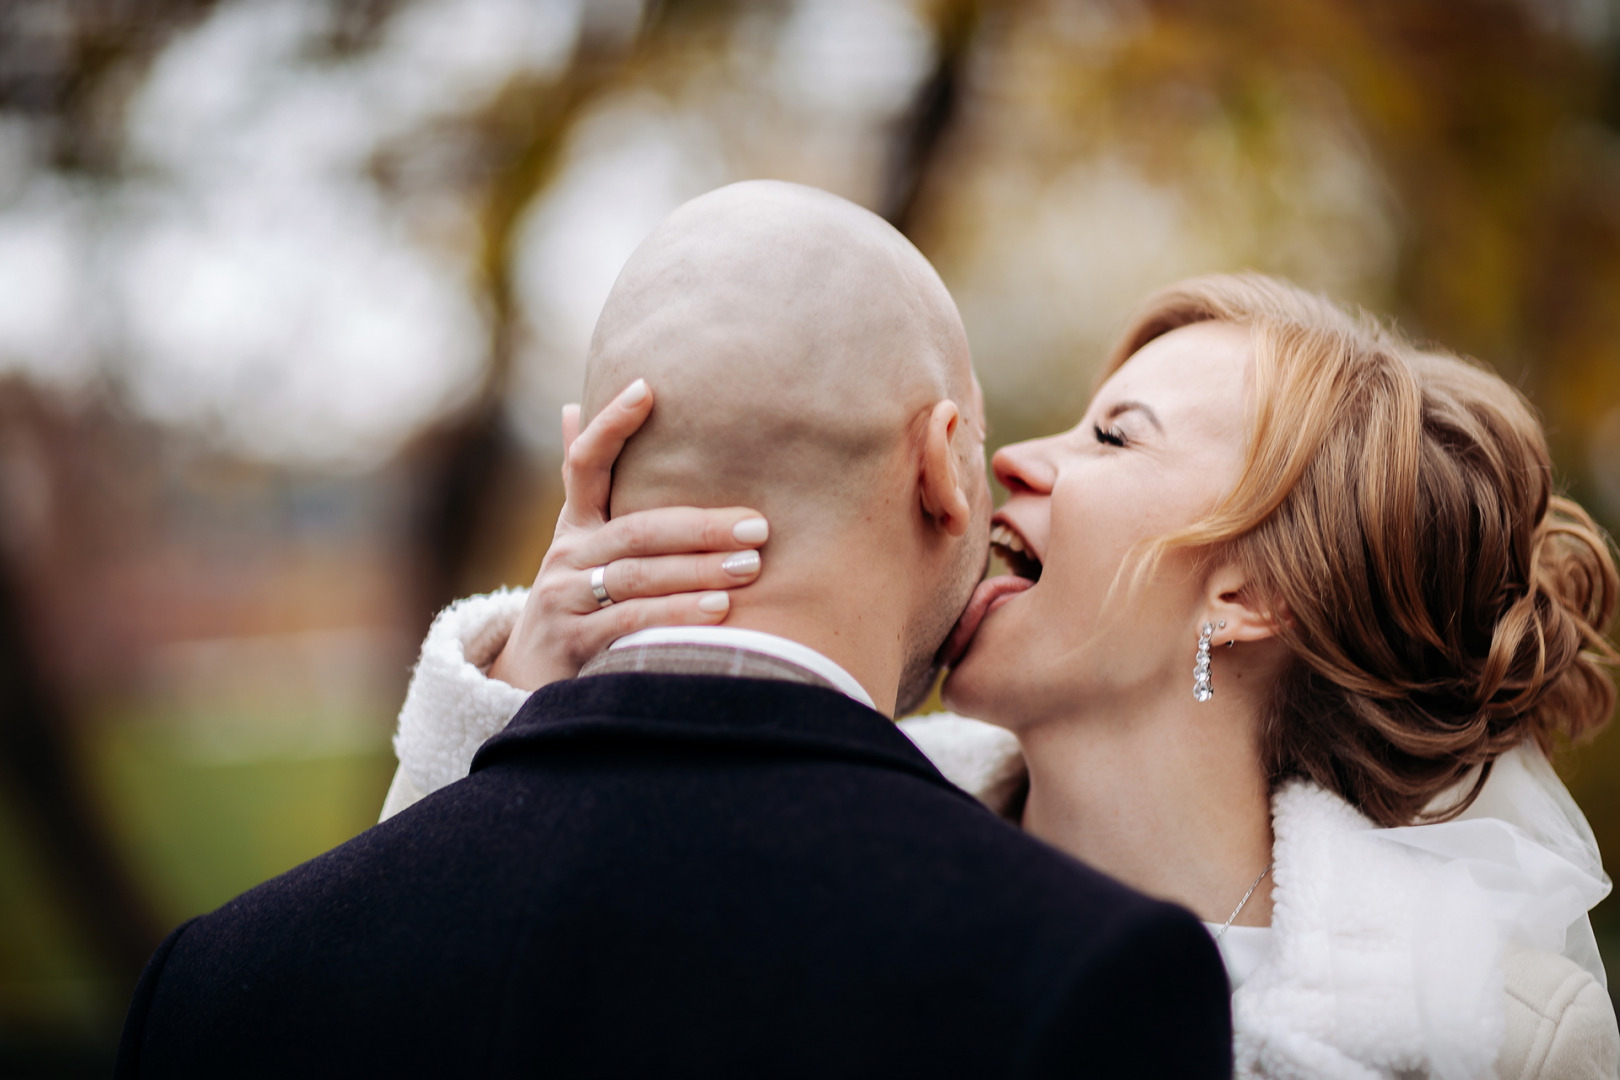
(792, 340)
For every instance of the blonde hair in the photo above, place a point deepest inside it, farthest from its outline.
(1396, 515)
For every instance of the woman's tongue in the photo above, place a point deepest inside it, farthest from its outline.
(989, 591)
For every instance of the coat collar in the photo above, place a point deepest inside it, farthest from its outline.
(1383, 963)
(763, 715)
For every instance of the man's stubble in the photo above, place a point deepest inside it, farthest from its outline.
(951, 598)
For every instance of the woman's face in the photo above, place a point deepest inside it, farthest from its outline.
(1161, 442)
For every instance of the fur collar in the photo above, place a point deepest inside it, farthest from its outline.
(1382, 963)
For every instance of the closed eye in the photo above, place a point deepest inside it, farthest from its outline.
(1110, 436)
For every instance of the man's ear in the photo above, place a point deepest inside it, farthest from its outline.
(1229, 598)
(939, 480)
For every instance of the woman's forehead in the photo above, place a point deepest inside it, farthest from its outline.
(1197, 369)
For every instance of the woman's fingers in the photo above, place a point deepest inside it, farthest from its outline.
(588, 467)
(628, 579)
(601, 629)
(557, 633)
(671, 530)
(570, 427)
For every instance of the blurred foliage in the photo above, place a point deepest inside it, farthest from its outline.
(1452, 163)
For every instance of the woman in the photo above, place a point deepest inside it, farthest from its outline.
(1306, 617)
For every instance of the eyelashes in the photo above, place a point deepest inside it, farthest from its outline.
(1109, 437)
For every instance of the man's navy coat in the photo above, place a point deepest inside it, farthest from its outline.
(666, 875)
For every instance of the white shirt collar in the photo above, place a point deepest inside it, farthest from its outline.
(752, 641)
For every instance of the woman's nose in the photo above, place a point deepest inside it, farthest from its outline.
(1023, 469)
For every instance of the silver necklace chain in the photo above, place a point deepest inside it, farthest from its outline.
(1227, 925)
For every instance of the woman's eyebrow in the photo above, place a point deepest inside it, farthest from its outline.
(1134, 406)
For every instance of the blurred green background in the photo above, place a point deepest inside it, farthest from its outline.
(291, 292)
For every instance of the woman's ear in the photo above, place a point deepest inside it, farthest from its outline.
(1229, 598)
(939, 480)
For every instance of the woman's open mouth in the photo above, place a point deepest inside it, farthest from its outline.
(1011, 549)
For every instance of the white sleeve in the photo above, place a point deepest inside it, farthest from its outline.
(979, 758)
(452, 706)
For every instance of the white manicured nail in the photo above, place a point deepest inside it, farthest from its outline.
(633, 394)
(714, 603)
(751, 531)
(742, 564)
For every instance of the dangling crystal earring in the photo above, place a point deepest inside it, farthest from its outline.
(1201, 689)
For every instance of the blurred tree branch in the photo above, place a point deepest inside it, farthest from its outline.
(62, 69)
(44, 783)
(67, 69)
(470, 463)
(916, 144)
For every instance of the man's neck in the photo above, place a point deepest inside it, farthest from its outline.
(858, 629)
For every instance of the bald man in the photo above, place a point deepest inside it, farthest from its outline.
(809, 364)
(713, 854)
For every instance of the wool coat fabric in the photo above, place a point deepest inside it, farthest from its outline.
(667, 875)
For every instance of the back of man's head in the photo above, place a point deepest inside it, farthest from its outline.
(792, 339)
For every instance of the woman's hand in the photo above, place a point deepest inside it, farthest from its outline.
(664, 567)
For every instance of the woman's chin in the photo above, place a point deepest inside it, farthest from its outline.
(1004, 676)
(972, 686)
(956, 703)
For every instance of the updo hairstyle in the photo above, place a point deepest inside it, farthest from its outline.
(1396, 515)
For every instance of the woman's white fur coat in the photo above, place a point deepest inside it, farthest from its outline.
(1363, 980)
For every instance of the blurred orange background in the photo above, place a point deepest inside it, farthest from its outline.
(291, 292)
